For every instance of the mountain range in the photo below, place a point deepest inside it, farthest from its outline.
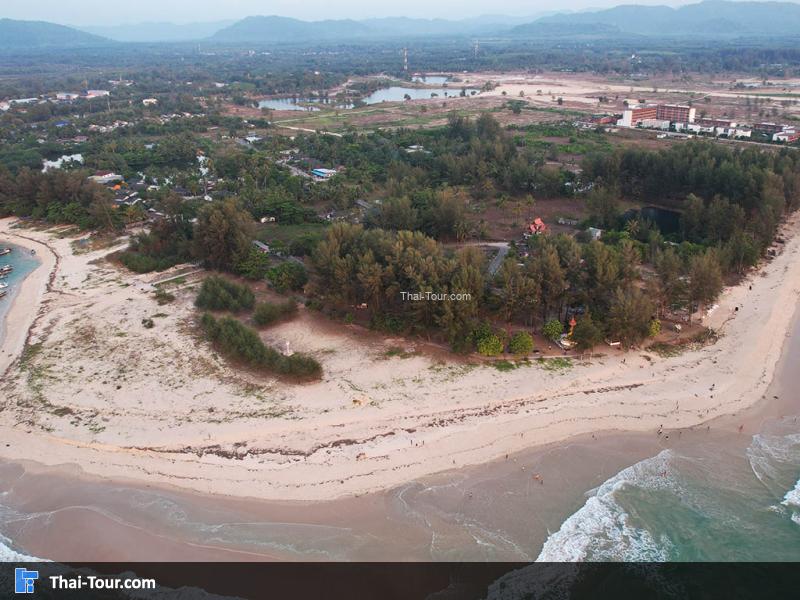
(40, 34)
(158, 32)
(710, 19)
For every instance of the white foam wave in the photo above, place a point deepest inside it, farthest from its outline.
(602, 530)
(792, 501)
(7, 554)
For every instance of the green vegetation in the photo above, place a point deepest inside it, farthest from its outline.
(57, 197)
(238, 342)
(490, 345)
(217, 293)
(586, 334)
(222, 234)
(398, 352)
(267, 313)
(163, 297)
(553, 329)
(521, 343)
(353, 265)
(288, 276)
(558, 363)
(253, 264)
(167, 244)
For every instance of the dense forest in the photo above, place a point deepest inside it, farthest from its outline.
(57, 197)
(427, 189)
(730, 202)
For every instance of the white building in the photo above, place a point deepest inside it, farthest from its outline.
(150, 101)
(106, 177)
(655, 124)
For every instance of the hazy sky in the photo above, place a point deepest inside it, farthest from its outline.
(115, 12)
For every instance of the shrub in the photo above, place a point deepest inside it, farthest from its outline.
(267, 313)
(300, 366)
(253, 265)
(490, 345)
(553, 329)
(142, 263)
(239, 342)
(148, 323)
(217, 293)
(655, 327)
(521, 343)
(586, 334)
(481, 331)
(164, 297)
(288, 276)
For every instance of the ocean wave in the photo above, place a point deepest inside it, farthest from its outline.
(792, 501)
(775, 459)
(8, 554)
(603, 530)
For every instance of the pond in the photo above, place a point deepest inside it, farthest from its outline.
(289, 104)
(668, 221)
(394, 93)
(398, 93)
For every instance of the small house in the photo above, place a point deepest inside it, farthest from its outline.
(537, 227)
(323, 173)
(262, 247)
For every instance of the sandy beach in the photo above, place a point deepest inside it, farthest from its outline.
(119, 400)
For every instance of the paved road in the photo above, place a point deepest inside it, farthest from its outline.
(502, 251)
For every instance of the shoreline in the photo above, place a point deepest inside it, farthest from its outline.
(572, 469)
(351, 452)
(20, 318)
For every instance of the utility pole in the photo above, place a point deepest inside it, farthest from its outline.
(405, 60)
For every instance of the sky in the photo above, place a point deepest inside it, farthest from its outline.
(118, 12)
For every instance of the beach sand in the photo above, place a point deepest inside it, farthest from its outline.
(121, 401)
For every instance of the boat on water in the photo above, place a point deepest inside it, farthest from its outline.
(6, 269)
(3, 293)
(3, 285)
(4, 251)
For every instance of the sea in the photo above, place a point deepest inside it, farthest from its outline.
(24, 263)
(714, 501)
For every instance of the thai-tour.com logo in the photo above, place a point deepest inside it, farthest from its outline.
(24, 580)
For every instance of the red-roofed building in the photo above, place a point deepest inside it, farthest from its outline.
(538, 226)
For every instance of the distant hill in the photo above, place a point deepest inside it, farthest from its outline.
(712, 17)
(284, 29)
(158, 32)
(24, 35)
(408, 27)
(277, 29)
(560, 28)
